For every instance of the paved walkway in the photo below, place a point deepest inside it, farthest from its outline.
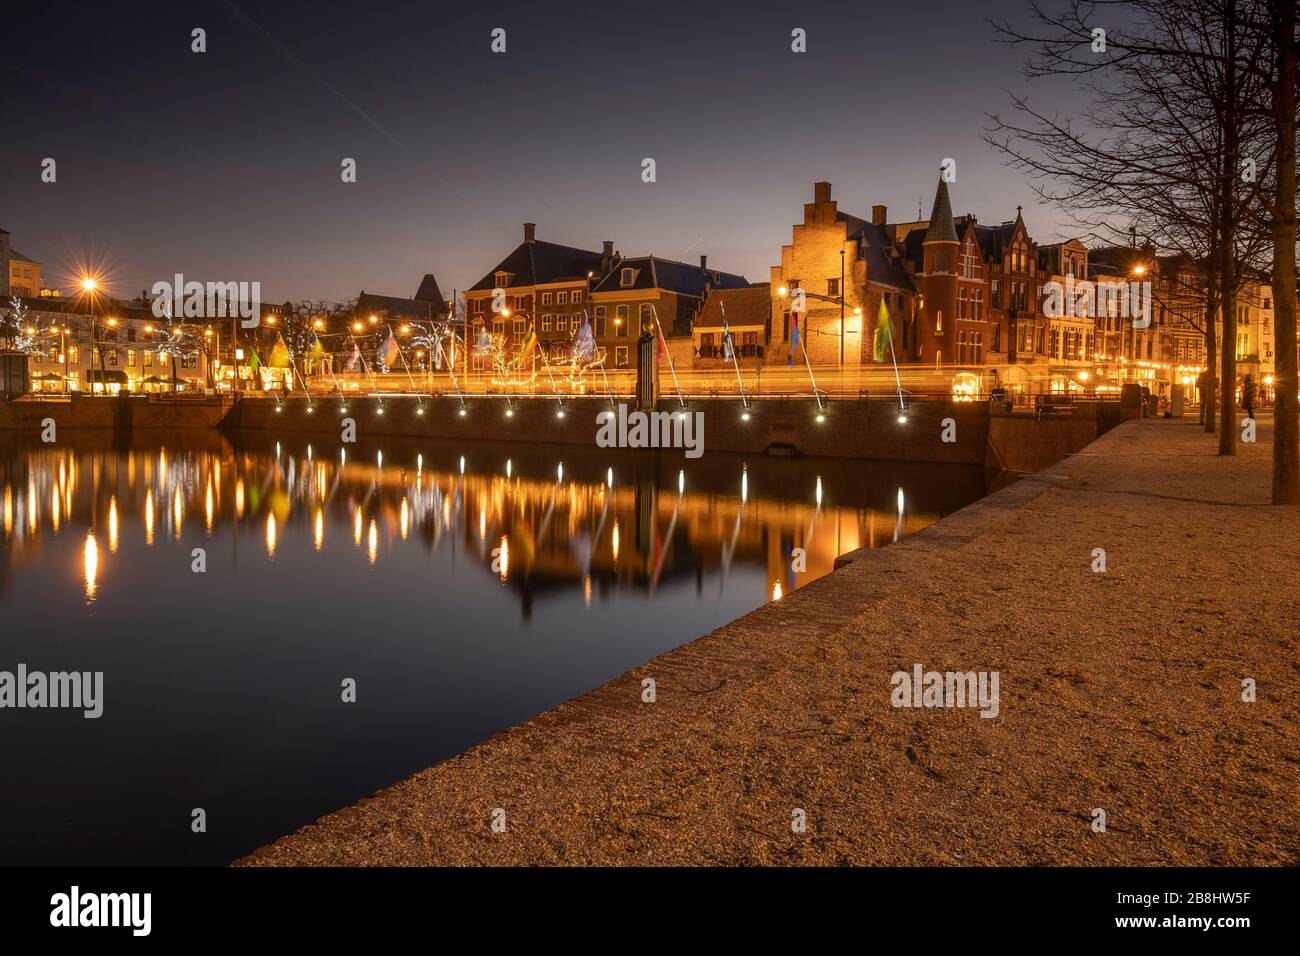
(1120, 691)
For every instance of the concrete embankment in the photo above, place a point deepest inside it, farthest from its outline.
(933, 431)
(120, 412)
(1121, 692)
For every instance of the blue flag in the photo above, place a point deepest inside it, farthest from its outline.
(794, 339)
(584, 346)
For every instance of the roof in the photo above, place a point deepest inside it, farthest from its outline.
(536, 262)
(941, 224)
(15, 254)
(651, 272)
(748, 307)
(429, 291)
(882, 268)
(393, 305)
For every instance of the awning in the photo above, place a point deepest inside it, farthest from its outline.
(106, 377)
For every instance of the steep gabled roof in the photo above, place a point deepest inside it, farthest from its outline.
(882, 267)
(651, 272)
(532, 263)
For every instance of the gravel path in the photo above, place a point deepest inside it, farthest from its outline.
(1119, 690)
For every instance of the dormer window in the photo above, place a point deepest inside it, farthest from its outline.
(502, 280)
(625, 278)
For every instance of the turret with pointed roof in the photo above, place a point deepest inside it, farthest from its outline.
(941, 227)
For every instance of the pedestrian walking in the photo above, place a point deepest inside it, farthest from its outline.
(1202, 382)
(1248, 394)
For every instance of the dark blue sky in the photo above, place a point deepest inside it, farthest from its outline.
(225, 165)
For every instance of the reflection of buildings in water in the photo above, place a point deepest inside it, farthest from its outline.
(548, 533)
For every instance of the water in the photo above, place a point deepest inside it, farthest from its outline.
(464, 588)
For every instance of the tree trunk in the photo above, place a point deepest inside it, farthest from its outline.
(1228, 236)
(1286, 431)
(1211, 345)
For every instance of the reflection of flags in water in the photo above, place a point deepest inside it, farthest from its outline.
(354, 358)
(388, 351)
(584, 346)
(794, 339)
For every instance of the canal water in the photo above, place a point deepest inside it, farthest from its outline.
(462, 587)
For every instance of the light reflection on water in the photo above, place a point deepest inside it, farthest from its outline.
(464, 587)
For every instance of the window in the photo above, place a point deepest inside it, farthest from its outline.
(961, 305)
(562, 298)
(520, 326)
(130, 358)
(546, 298)
(561, 323)
(600, 322)
(546, 321)
(130, 333)
(995, 340)
(112, 356)
(625, 278)
(977, 301)
(620, 356)
(833, 287)
(74, 354)
(478, 305)
(977, 348)
(498, 326)
(961, 348)
(969, 261)
(646, 317)
(148, 360)
(577, 296)
(621, 322)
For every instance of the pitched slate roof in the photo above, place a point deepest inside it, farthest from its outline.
(15, 254)
(882, 268)
(748, 307)
(651, 272)
(369, 302)
(537, 262)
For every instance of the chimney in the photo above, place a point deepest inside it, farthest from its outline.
(530, 231)
(704, 263)
(878, 215)
(821, 193)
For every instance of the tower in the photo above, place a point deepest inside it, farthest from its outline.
(939, 282)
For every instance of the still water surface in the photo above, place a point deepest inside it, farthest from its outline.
(464, 587)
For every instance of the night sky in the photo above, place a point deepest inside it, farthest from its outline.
(226, 165)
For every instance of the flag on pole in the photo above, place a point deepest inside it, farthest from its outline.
(529, 344)
(659, 353)
(353, 359)
(584, 346)
(388, 351)
(882, 335)
(794, 338)
(317, 350)
(279, 354)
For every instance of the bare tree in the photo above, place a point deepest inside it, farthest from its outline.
(1159, 150)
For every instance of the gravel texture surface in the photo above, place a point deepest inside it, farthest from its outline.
(1119, 690)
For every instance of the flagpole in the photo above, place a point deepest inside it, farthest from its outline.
(730, 346)
(406, 365)
(660, 329)
(366, 368)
